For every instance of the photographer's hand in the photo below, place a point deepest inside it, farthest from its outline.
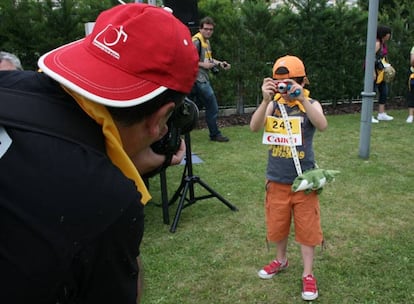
(268, 89)
(295, 91)
(265, 107)
(179, 155)
(206, 65)
(147, 160)
(225, 65)
(314, 110)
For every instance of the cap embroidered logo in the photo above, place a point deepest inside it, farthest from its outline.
(109, 37)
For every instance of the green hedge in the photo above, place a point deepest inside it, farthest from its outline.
(330, 40)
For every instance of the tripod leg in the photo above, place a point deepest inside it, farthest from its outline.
(215, 194)
(164, 197)
(180, 207)
(187, 183)
(176, 194)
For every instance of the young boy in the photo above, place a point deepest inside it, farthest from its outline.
(305, 115)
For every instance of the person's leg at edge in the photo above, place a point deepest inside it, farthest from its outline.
(210, 103)
(373, 119)
(308, 253)
(308, 235)
(382, 96)
(278, 219)
(211, 106)
(410, 117)
(382, 99)
(410, 104)
(309, 288)
(280, 262)
(140, 280)
(281, 250)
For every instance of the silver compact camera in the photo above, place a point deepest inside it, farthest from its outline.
(283, 87)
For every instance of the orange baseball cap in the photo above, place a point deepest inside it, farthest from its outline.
(292, 65)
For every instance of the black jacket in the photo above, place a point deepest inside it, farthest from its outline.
(70, 221)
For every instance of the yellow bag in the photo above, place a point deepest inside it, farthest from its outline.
(411, 81)
(387, 73)
(380, 76)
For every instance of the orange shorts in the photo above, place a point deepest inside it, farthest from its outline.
(281, 203)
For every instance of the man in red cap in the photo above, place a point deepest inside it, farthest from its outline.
(72, 199)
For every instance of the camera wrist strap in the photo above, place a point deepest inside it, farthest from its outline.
(290, 139)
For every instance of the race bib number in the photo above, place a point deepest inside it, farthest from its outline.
(276, 132)
(5, 141)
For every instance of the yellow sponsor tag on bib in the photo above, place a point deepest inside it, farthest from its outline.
(277, 125)
(276, 132)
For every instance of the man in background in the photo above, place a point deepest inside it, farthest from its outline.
(202, 90)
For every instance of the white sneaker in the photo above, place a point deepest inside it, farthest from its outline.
(384, 116)
(373, 120)
(409, 119)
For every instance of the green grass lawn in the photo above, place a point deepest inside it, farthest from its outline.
(367, 219)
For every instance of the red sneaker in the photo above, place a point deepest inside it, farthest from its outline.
(309, 290)
(268, 271)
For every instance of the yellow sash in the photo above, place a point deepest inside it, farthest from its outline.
(113, 142)
(291, 103)
(200, 37)
(205, 45)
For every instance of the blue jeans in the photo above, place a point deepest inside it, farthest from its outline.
(204, 94)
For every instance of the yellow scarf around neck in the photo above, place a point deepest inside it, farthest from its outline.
(113, 142)
(291, 103)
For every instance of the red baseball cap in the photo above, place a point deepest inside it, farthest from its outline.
(134, 53)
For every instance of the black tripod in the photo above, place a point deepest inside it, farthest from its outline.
(187, 187)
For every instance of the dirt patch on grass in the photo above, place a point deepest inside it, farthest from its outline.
(329, 109)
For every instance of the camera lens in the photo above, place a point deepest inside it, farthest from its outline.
(282, 87)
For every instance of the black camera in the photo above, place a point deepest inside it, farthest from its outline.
(215, 69)
(183, 119)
